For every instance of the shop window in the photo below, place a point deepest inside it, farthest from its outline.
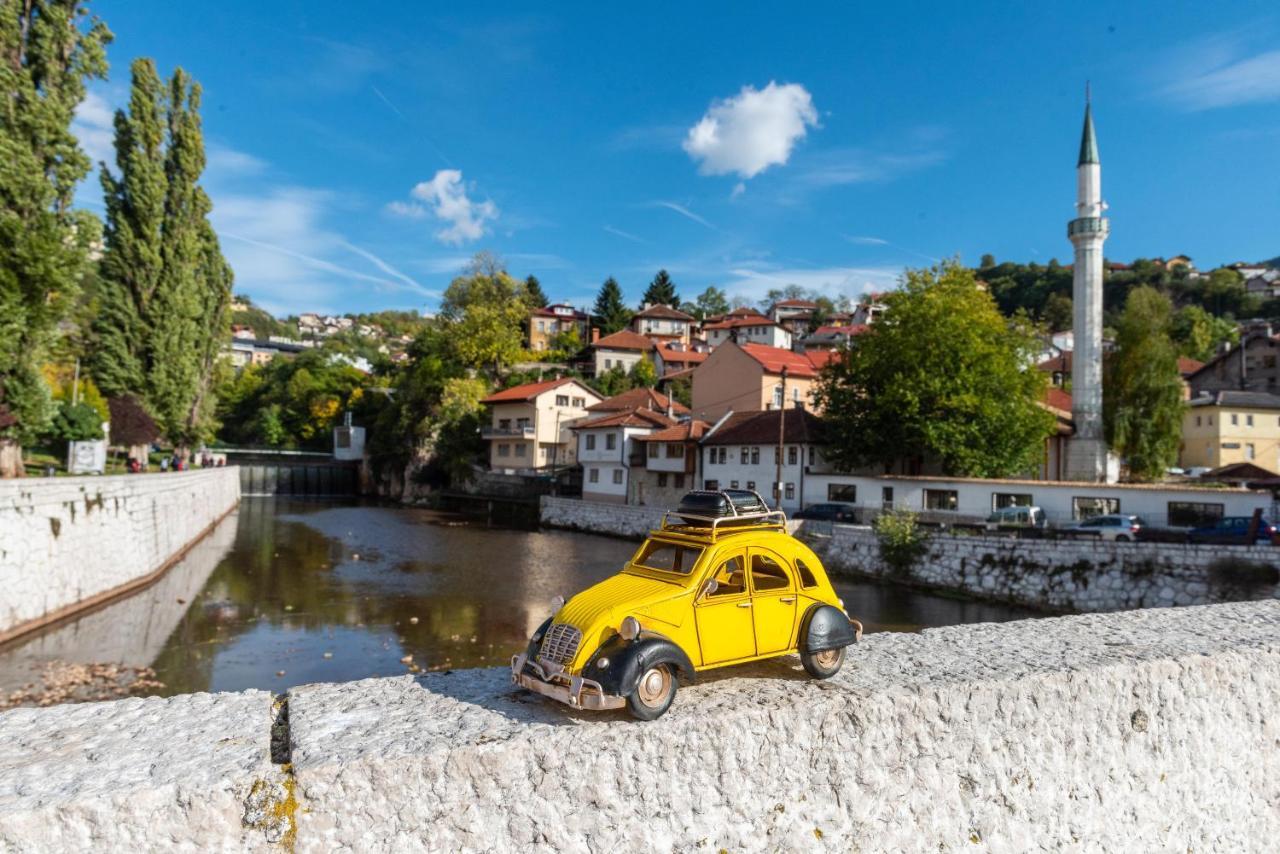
(941, 499)
(846, 492)
(1001, 500)
(1193, 514)
(1087, 508)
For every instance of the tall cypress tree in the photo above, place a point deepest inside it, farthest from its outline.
(166, 287)
(610, 310)
(534, 294)
(661, 291)
(48, 49)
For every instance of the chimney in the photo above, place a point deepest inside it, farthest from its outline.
(595, 334)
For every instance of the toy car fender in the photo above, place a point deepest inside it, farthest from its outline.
(825, 627)
(625, 661)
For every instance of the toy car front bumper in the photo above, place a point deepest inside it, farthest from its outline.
(571, 690)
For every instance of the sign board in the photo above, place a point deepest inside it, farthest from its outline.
(87, 457)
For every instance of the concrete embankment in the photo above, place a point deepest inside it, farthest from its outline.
(1147, 730)
(71, 543)
(1058, 575)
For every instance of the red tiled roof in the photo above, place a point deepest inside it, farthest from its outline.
(688, 431)
(632, 418)
(688, 357)
(822, 358)
(1058, 399)
(795, 303)
(549, 312)
(761, 428)
(664, 311)
(638, 398)
(735, 322)
(774, 358)
(1188, 366)
(528, 391)
(844, 329)
(624, 340)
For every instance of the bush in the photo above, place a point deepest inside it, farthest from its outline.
(78, 422)
(902, 543)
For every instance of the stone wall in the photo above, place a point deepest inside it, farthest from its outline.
(1065, 575)
(69, 542)
(1138, 731)
(623, 520)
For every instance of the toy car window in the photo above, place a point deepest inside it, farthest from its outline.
(807, 578)
(668, 557)
(730, 578)
(767, 574)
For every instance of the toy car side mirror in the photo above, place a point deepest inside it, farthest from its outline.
(710, 587)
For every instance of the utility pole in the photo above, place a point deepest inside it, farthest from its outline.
(782, 424)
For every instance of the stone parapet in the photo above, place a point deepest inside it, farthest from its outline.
(1136, 731)
(69, 542)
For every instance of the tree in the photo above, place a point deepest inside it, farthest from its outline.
(710, 302)
(1198, 334)
(1224, 293)
(942, 375)
(988, 261)
(1059, 312)
(165, 287)
(48, 50)
(485, 313)
(1142, 407)
(131, 425)
(533, 292)
(774, 295)
(611, 312)
(643, 373)
(76, 422)
(661, 291)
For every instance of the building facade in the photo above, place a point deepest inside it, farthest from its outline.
(749, 378)
(1224, 427)
(742, 451)
(608, 452)
(1251, 365)
(545, 324)
(667, 467)
(663, 322)
(619, 350)
(529, 425)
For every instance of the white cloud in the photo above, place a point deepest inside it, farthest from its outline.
(868, 241)
(858, 166)
(625, 235)
(94, 126)
(686, 213)
(445, 197)
(751, 131)
(222, 162)
(1225, 84)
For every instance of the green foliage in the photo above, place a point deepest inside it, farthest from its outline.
(76, 422)
(610, 311)
(643, 373)
(942, 375)
(1059, 312)
(680, 390)
(988, 260)
(263, 324)
(709, 303)
(533, 293)
(611, 382)
(485, 312)
(165, 287)
(566, 343)
(1142, 403)
(1198, 334)
(661, 291)
(902, 543)
(50, 49)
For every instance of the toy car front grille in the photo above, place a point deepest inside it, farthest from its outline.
(560, 644)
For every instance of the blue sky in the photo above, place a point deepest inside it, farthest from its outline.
(357, 161)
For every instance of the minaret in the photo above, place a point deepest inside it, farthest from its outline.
(1087, 451)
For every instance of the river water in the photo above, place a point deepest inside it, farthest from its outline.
(286, 592)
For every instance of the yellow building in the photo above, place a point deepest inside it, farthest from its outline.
(1224, 427)
(545, 324)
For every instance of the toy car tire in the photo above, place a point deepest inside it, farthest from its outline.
(653, 694)
(823, 665)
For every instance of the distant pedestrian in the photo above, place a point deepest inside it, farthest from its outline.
(164, 464)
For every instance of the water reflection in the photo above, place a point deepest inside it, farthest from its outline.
(288, 592)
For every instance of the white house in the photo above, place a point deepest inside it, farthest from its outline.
(669, 467)
(663, 321)
(607, 451)
(747, 329)
(529, 424)
(620, 350)
(741, 452)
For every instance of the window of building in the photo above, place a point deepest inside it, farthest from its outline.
(745, 456)
(591, 441)
(662, 480)
(812, 454)
(1231, 446)
(522, 423)
(1193, 514)
(1087, 508)
(724, 456)
(1001, 500)
(1248, 421)
(712, 485)
(593, 475)
(791, 491)
(768, 574)
(777, 398)
(791, 455)
(504, 450)
(733, 484)
(504, 423)
(679, 479)
(608, 363)
(1210, 420)
(1248, 451)
(674, 450)
(617, 475)
(886, 497)
(610, 441)
(653, 449)
(751, 484)
(520, 450)
(941, 499)
(1197, 420)
(842, 492)
(755, 456)
(562, 400)
(807, 578)
(1235, 419)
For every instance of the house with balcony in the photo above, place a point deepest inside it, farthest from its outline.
(546, 324)
(607, 450)
(666, 465)
(746, 326)
(663, 322)
(529, 425)
(748, 378)
(795, 315)
(742, 452)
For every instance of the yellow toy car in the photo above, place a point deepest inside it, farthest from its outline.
(720, 583)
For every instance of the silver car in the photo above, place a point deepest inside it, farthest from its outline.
(1113, 526)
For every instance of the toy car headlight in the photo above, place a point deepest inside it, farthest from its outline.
(630, 628)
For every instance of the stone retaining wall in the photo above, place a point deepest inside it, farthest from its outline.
(1141, 731)
(68, 542)
(1066, 575)
(622, 520)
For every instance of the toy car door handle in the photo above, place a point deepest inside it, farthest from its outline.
(787, 599)
(744, 604)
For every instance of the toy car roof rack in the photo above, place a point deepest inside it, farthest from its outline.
(722, 511)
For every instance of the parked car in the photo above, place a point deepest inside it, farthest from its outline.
(1230, 529)
(1113, 526)
(720, 582)
(829, 512)
(1017, 517)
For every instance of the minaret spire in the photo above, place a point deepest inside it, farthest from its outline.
(1088, 140)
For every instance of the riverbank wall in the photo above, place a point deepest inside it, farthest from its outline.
(1145, 730)
(68, 544)
(1056, 575)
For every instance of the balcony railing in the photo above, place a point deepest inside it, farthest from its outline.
(492, 432)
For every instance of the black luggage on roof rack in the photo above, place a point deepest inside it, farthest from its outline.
(700, 505)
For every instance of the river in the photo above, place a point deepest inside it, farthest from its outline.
(286, 592)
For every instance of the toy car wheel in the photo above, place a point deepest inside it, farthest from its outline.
(823, 665)
(653, 694)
